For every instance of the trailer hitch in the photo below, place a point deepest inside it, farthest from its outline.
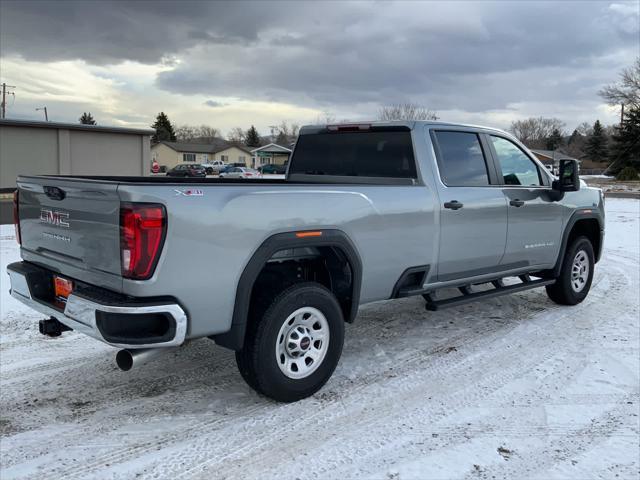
(52, 327)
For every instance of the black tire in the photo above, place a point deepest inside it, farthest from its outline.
(257, 360)
(563, 291)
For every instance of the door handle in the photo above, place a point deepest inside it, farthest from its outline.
(453, 205)
(516, 203)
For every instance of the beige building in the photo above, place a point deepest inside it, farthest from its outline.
(270, 154)
(170, 154)
(49, 148)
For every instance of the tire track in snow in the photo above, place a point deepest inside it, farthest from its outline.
(198, 428)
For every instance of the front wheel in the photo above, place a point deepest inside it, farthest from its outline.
(576, 274)
(293, 347)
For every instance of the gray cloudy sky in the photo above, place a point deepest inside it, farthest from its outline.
(236, 63)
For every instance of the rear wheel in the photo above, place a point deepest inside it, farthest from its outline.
(293, 347)
(573, 284)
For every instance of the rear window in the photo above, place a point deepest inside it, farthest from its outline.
(461, 159)
(355, 154)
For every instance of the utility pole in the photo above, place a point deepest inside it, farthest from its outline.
(46, 117)
(621, 114)
(4, 97)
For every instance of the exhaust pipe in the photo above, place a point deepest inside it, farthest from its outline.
(127, 359)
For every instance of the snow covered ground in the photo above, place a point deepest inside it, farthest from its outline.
(514, 387)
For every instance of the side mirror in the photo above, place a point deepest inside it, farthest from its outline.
(568, 180)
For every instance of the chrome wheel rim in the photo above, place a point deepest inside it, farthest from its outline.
(579, 271)
(302, 342)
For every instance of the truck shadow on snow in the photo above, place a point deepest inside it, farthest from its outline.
(202, 379)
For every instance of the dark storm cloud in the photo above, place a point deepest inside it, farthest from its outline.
(455, 55)
(365, 59)
(103, 32)
(214, 104)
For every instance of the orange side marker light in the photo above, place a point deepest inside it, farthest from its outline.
(308, 234)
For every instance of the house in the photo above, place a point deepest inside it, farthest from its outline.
(270, 154)
(170, 154)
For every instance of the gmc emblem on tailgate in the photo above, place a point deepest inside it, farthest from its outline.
(54, 217)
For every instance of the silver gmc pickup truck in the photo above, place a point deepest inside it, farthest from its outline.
(273, 268)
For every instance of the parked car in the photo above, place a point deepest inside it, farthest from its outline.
(240, 172)
(276, 267)
(187, 170)
(214, 167)
(272, 168)
(229, 166)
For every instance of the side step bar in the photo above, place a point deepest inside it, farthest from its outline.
(499, 289)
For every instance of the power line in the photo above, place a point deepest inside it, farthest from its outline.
(4, 98)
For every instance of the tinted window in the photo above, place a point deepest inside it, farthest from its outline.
(517, 168)
(461, 160)
(365, 154)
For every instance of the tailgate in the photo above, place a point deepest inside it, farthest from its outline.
(72, 227)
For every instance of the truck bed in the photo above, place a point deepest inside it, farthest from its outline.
(160, 179)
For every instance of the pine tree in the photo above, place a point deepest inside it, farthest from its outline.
(87, 119)
(596, 147)
(625, 151)
(575, 136)
(555, 140)
(164, 129)
(252, 138)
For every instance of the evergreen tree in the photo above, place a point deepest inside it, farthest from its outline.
(164, 129)
(625, 151)
(575, 136)
(252, 138)
(554, 140)
(87, 119)
(596, 147)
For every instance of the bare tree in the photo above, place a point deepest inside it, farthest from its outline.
(201, 134)
(185, 133)
(406, 111)
(236, 135)
(584, 129)
(534, 132)
(206, 131)
(627, 90)
(325, 118)
(286, 133)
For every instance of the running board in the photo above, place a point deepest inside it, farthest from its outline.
(499, 289)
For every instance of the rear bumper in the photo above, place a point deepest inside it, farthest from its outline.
(113, 319)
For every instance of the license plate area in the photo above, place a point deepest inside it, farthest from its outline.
(62, 288)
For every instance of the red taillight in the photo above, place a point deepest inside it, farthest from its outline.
(16, 215)
(142, 231)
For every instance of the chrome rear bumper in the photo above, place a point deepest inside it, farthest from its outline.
(81, 313)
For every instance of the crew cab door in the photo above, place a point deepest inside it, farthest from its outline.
(473, 213)
(534, 219)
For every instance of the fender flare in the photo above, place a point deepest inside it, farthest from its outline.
(581, 214)
(234, 338)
